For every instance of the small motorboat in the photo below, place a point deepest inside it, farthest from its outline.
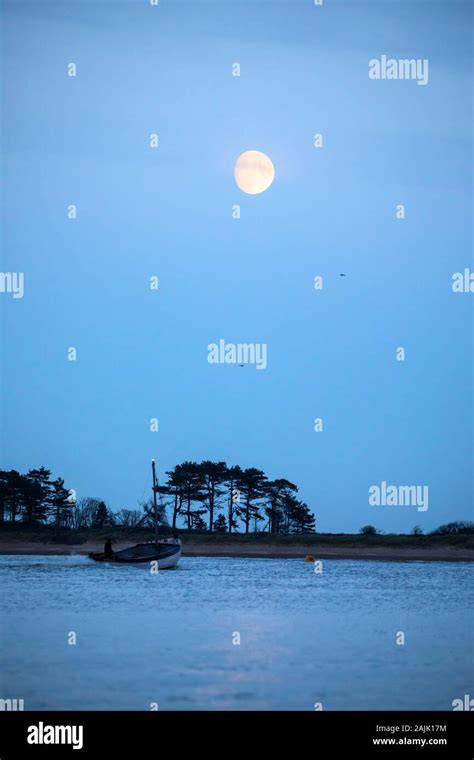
(165, 551)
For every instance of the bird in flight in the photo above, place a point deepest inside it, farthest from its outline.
(343, 275)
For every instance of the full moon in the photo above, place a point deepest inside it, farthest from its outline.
(253, 172)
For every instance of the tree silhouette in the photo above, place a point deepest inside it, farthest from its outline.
(454, 528)
(175, 488)
(148, 519)
(368, 530)
(213, 475)
(37, 496)
(61, 504)
(276, 492)
(220, 525)
(297, 516)
(197, 523)
(190, 491)
(234, 474)
(83, 512)
(102, 517)
(13, 489)
(251, 483)
(191, 480)
(128, 518)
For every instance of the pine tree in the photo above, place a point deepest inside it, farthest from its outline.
(13, 493)
(197, 523)
(213, 474)
(192, 486)
(36, 496)
(175, 488)
(251, 483)
(277, 492)
(234, 474)
(220, 525)
(61, 504)
(103, 518)
(300, 519)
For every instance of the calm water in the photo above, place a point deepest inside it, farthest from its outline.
(168, 638)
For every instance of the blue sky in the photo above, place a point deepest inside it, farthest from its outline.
(167, 212)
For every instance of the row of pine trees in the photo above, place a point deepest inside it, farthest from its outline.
(197, 496)
(213, 496)
(34, 498)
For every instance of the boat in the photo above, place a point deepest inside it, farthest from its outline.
(166, 552)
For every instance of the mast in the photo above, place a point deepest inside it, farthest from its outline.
(155, 507)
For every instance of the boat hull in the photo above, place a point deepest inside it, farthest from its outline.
(166, 555)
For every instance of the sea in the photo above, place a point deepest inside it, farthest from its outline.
(235, 634)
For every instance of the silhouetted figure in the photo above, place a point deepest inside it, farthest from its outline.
(108, 551)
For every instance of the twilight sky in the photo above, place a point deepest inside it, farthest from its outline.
(167, 212)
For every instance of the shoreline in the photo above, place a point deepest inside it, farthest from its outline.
(245, 551)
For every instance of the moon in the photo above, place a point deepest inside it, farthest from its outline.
(253, 172)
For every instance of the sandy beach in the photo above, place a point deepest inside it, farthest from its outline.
(236, 549)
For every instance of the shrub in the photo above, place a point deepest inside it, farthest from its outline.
(368, 530)
(454, 528)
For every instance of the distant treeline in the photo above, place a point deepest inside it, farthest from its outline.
(196, 491)
(209, 496)
(456, 528)
(34, 498)
(203, 496)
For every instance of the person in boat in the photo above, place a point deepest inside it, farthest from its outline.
(108, 551)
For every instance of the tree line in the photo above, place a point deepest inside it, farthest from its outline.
(456, 528)
(199, 496)
(213, 496)
(34, 498)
